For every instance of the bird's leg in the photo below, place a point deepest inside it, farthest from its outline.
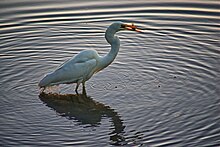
(84, 89)
(83, 84)
(77, 86)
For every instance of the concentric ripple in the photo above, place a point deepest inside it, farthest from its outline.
(162, 89)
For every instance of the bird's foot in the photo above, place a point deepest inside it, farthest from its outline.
(42, 89)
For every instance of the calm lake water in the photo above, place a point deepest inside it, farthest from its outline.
(162, 89)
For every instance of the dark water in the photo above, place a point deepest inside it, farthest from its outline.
(162, 89)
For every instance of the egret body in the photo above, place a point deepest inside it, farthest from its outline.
(82, 66)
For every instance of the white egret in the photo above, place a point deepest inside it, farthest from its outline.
(81, 67)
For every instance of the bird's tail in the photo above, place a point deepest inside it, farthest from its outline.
(46, 81)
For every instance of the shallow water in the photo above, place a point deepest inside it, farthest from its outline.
(162, 89)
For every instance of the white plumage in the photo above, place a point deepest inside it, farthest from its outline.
(81, 67)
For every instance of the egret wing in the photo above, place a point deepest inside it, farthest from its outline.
(71, 73)
(83, 56)
(80, 67)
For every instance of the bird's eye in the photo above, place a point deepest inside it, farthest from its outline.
(123, 26)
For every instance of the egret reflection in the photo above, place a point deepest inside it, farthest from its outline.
(85, 111)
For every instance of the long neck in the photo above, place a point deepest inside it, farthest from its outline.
(115, 45)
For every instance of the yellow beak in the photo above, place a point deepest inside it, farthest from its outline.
(132, 27)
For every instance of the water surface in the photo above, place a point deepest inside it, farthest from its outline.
(162, 89)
